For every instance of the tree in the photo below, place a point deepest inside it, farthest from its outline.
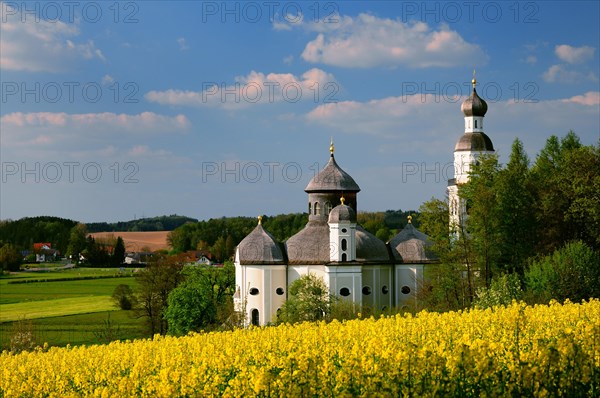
(10, 258)
(123, 297)
(308, 300)
(483, 215)
(571, 272)
(77, 242)
(517, 224)
(155, 282)
(502, 291)
(118, 255)
(203, 300)
(450, 285)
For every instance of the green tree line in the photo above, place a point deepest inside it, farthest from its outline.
(220, 236)
(160, 223)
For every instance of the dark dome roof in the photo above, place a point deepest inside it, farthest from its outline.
(412, 246)
(477, 141)
(474, 105)
(370, 248)
(310, 245)
(342, 213)
(259, 247)
(332, 178)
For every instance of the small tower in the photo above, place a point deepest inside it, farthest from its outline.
(471, 145)
(342, 233)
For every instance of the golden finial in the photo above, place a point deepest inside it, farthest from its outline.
(259, 220)
(409, 219)
(474, 81)
(342, 200)
(331, 148)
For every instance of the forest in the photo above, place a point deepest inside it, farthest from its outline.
(532, 230)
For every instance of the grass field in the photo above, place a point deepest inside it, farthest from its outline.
(70, 311)
(54, 308)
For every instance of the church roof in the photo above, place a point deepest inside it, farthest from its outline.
(332, 178)
(474, 105)
(310, 245)
(477, 141)
(370, 248)
(411, 246)
(260, 247)
(342, 212)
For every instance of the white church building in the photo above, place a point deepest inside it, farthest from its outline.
(355, 264)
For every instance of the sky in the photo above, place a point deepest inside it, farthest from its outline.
(120, 110)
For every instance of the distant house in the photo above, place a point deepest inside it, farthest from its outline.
(137, 257)
(44, 252)
(204, 257)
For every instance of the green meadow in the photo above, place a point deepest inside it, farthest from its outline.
(66, 306)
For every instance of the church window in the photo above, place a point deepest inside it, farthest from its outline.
(344, 245)
(280, 291)
(385, 289)
(344, 230)
(345, 292)
(405, 290)
(253, 291)
(317, 209)
(328, 208)
(344, 257)
(255, 317)
(309, 208)
(475, 123)
(366, 290)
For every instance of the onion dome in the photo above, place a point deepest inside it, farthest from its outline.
(260, 248)
(476, 141)
(411, 246)
(342, 213)
(332, 178)
(474, 105)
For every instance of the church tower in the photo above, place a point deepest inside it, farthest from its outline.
(473, 143)
(342, 233)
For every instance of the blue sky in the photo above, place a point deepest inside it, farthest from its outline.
(117, 110)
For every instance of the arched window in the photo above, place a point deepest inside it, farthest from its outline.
(255, 317)
(328, 208)
(344, 245)
(309, 208)
(317, 209)
(475, 123)
(344, 257)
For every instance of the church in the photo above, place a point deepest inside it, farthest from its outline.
(355, 264)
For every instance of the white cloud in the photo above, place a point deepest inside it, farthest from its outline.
(47, 128)
(574, 55)
(590, 98)
(368, 41)
(560, 74)
(254, 88)
(531, 59)
(182, 44)
(107, 79)
(146, 151)
(416, 122)
(42, 46)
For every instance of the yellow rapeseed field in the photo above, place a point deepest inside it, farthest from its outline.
(551, 350)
